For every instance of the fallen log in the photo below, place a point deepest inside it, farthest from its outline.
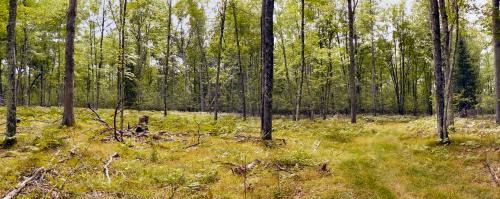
(34, 175)
(493, 174)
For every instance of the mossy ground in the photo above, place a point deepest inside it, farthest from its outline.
(380, 157)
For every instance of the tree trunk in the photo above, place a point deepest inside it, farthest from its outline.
(267, 42)
(446, 62)
(303, 62)
(219, 60)
(438, 72)
(352, 64)
(167, 59)
(372, 62)
(68, 115)
(240, 66)
(101, 58)
(10, 130)
(496, 43)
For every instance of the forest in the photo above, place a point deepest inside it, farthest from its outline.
(250, 99)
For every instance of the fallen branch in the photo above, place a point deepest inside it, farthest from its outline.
(35, 175)
(98, 117)
(107, 163)
(494, 176)
(242, 170)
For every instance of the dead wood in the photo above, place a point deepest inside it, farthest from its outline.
(34, 175)
(492, 172)
(107, 164)
(115, 133)
(242, 170)
(98, 117)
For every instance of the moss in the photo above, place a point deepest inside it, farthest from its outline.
(381, 157)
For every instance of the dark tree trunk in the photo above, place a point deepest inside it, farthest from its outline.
(352, 64)
(167, 59)
(438, 71)
(267, 47)
(10, 130)
(302, 62)
(68, 115)
(496, 43)
(446, 63)
(240, 66)
(219, 60)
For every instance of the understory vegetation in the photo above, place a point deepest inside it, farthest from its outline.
(189, 155)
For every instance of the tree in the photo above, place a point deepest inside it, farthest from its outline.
(466, 79)
(167, 59)
(267, 48)
(240, 67)
(68, 115)
(438, 71)
(302, 62)
(219, 59)
(496, 49)
(10, 130)
(352, 64)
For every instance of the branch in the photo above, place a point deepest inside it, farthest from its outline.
(98, 117)
(494, 176)
(107, 164)
(35, 175)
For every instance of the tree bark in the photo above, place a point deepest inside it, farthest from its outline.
(240, 66)
(496, 43)
(219, 60)
(438, 72)
(10, 130)
(446, 62)
(267, 42)
(68, 115)
(352, 64)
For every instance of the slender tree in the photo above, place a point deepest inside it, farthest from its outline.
(352, 64)
(267, 48)
(10, 130)
(240, 65)
(496, 48)
(302, 61)
(438, 71)
(372, 59)
(167, 59)
(68, 115)
(219, 59)
(101, 57)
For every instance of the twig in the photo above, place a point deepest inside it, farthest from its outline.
(106, 165)
(35, 175)
(114, 123)
(98, 117)
(494, 176)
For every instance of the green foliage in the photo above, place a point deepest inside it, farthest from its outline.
(466, 79)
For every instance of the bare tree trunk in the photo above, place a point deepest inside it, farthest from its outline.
(123, 14)
(352, 64)
(446, 62)
(267, 47)
(372, 62)
(101, 57)
(68, 115)
(303, 62)
(496, 43)
(240, 66)
(438, 72)
(24, 64)
(219, 60)
(167, 59)
(10, 130)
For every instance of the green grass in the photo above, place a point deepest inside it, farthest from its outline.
(380, 157)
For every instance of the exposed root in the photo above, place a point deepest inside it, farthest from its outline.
(107, 164)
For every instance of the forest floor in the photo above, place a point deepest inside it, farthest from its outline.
(380, 157)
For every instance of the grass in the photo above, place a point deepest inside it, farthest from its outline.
(380, 157)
